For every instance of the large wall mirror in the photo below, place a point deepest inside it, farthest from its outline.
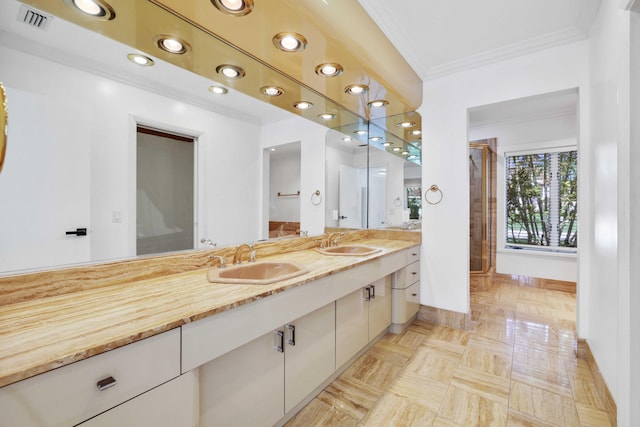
(76, 105)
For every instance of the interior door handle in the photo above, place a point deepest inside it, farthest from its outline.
(78, 232)
(342, 217)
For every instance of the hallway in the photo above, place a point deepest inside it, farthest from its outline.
(515, 367)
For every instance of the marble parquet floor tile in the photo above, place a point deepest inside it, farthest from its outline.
(516, 366)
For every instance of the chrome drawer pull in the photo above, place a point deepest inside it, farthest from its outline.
(279, 341)
(292, 334)
(106, 383)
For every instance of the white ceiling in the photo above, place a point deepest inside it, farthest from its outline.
(438, 37)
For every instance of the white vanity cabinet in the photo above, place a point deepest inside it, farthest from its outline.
(74, 393)
(406, 292)
(257, 383)
(360, 317)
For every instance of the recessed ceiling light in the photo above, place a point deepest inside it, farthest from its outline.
(234, 7)
(303, 105)
(230, 71)
(218, 90)
(271, 90)
(347, 139)
(387, 144)
(378, 103)
(356, 89)
(272, 149)
(327, 116)
(416, 132)
(404, 153)
(397, 148)
(360, 132)
(172, 44)
(139, 59)
(375, 138)
(406, 124)
(413, 156)
(330, 69)
(96, 8)
(290, 42)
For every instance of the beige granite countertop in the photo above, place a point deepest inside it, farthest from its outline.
(57, 328)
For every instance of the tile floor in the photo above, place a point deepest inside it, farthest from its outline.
(515, 367)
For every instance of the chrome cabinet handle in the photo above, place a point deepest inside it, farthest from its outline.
(373, 291)
(367, 293)
(292, 334)
(279, 341)
(106, 383)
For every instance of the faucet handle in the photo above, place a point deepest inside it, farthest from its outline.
(321, 243)
(252, 255)
(221, 261)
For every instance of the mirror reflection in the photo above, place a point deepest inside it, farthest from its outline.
(73, 164)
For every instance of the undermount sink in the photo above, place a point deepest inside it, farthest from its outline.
(256, 273)
(352, 250)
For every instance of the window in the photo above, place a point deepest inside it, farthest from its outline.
(541, 200)
(413, 201)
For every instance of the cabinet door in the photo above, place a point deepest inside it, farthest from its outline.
(352, 326)
(380, 307)
(310, 345)
(244, 387)
(173, 404)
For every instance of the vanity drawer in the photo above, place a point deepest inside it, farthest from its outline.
(405, 303)
(69, 395)
(413, 254)
(406, 276)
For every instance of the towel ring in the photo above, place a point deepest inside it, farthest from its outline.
(316, 198)
(434, 188)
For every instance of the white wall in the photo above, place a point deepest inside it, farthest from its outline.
(445, 260)
(312, 164)
(524, 134)
(227, 211)
(613, 300)
(629, 369)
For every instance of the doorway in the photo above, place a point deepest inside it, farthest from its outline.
(164, 191)
(482, 212)
(285, 167)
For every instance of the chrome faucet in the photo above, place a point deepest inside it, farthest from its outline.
(221, 261)
(335, 237)
(237, 257)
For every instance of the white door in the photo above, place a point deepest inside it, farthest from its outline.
(45, 183)
(244, 387)
(351, 200)
(352, 326)
(310, 344)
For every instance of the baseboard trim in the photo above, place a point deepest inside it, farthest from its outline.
(535, 282)
(584, 352)
(452, 319)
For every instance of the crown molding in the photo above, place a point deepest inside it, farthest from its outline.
(396, 34)
(535, 44)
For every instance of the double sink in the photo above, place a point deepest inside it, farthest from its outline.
(267, 272)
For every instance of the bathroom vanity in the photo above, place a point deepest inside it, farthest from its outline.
(178, 350)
